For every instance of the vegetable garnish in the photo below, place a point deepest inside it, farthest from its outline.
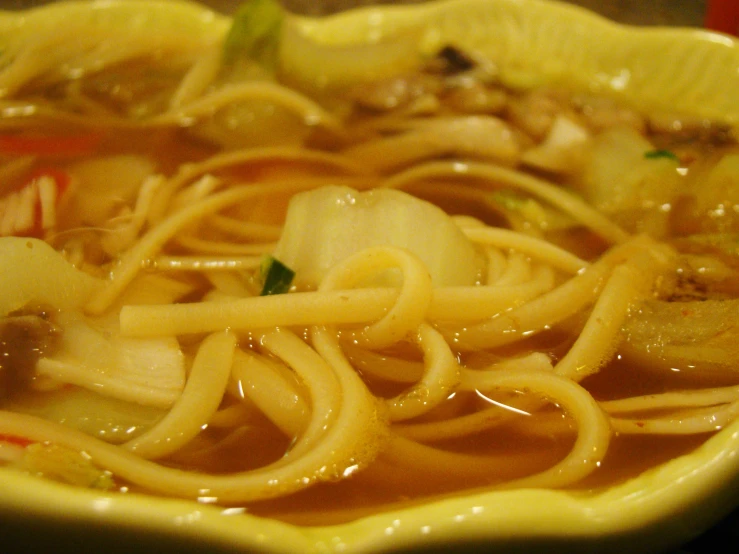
(327, 225)
(66, 466)
(63, 145)
(277, 277)
(657, 154)
(17, 441)
(255, 33)
(32, 210)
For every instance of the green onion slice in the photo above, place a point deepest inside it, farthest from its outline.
(277, 277)
(656, 154)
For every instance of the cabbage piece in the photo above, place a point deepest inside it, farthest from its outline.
(697, 338)
(93, 354)
(68, 40)
(636, 189)
(31, 271)
(326, 225)
(103, 417)
(562, 150)
(477, 136)
(250, 53)
(252, 124)
(103, 185)
(65, 465)
(154, 288)
(620, 176)
(716, 195)
(317, 61)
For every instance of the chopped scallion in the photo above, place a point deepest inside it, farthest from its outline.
(657, 154)
(255, 33)
(508, 200)
(277, 277)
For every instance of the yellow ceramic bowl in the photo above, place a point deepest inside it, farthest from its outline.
(532, 42)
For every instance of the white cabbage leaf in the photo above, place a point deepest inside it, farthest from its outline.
(32, 272)
(327, 225)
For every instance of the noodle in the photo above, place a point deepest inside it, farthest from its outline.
(545, 251)
(588, 451)
(493, 175)
(198, 402)
(412, 301)
(468, 325)
(271, 392)
(151, 243)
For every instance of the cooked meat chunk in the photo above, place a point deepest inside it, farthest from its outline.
(25, 336)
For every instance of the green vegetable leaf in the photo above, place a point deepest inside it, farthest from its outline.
(516, 206)
(277, 277)
(255, 33)
(657, 154)
(508, 200)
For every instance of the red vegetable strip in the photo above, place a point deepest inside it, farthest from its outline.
(18, 441)
(61, 178)
(32, 209)
(49, 145)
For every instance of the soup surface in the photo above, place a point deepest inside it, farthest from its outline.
(316, 305)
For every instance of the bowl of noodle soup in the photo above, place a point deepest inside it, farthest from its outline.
(456, 274)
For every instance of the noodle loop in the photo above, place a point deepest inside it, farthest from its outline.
(411, 305)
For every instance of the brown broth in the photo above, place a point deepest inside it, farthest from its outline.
(376, 491)
(382, 488)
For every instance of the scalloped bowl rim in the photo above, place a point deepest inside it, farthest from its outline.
(679, 498)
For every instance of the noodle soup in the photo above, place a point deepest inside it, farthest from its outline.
(222, 283)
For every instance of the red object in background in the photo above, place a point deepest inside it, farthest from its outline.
(723, 15)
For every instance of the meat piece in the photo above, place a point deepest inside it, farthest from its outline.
(450, 61)
(25, 336)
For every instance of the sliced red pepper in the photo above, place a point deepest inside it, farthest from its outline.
(18, 441)
(9, 225)
(49, 145)
(61, 178)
